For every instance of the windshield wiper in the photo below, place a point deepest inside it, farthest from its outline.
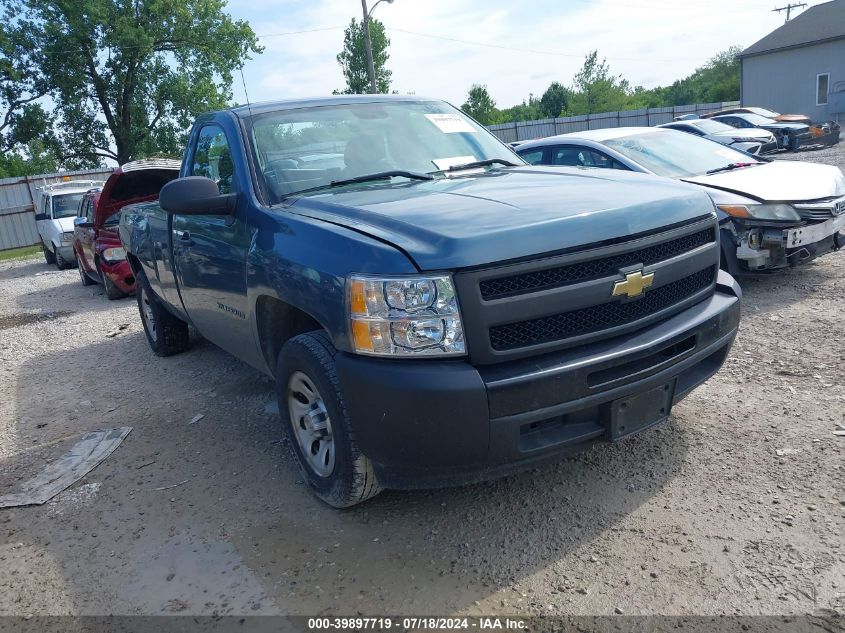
(730, 167)
(379, 175)
(480, 163)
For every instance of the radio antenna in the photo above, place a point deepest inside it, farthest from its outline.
(246, 94)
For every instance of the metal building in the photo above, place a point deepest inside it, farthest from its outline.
(799, 68)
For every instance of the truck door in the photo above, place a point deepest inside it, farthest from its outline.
(209, 253)
(84, 235)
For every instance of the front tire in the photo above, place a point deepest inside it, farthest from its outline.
(166, 334)
(49, 256)
(61, 262)
(112, 291)
(317, 425)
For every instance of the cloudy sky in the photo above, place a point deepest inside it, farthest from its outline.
(515, 48)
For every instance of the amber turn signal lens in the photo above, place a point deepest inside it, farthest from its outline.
(362, 336)
(736, 211)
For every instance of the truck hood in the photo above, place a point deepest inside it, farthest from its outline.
(779, 181)
(66, 224)
(746, 132)
(503, 215)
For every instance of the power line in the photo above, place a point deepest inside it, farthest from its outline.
(536, 51)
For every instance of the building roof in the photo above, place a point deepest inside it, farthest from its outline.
(821, 23)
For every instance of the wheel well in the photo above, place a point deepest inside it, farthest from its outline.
(134, 264)
(277, 322)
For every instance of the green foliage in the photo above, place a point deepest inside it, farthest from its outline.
(128, 78)
(353, 58)
(556, 100)
(481, 106)
(717, 80)
(595, 89)
(33, 158)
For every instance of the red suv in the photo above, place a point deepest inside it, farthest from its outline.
(96, 242)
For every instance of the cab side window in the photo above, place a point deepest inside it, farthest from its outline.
(212, 158)
(533, 157)
(574, 156)
(89, 210)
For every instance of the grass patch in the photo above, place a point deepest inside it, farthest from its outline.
(20, 253)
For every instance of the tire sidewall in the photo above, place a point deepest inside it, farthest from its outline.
(144, 289)
(296, 356)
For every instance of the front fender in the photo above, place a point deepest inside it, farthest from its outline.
(304, 262)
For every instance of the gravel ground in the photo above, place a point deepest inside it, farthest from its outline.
(735, 506)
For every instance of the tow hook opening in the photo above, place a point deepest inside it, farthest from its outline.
(801, 255)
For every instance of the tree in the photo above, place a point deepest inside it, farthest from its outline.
(596, 90)
(480, 105)
(555, 101)
(21, 85)
(128, 77)
(353, 58)
(717, 80)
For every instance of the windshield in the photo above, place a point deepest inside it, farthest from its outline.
(756, 119)
(311, 147)
(675, 154)
(712, 127)
(763, 112)
(65, 205)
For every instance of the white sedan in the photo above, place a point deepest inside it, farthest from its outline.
(772, 214)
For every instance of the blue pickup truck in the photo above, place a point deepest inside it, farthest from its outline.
(433, 309)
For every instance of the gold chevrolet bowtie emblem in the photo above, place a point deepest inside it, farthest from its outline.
(633, 285)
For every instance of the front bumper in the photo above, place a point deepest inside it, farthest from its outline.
(426, 423)
(67, 252)
(120, 274)
(810, 234)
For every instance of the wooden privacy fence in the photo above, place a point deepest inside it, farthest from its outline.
(528, 130)
(17, 208)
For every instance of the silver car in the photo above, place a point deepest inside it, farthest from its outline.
(752, 140)
(772, 214)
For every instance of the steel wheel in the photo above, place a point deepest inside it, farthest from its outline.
(311, 424)
(147, 314)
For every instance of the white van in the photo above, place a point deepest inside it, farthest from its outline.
(54, 213)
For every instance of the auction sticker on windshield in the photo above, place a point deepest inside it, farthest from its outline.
(450, 123)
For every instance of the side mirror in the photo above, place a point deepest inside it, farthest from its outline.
(41, 216)
(195, 195)
(82, 223)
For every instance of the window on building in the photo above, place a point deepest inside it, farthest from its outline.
(822, 86)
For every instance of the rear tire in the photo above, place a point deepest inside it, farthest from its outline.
(317, 425)
(49, 256)
(166, 334)
(112, 291)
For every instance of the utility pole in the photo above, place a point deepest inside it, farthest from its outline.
(371, 67)
(368, 42)
(788, 8)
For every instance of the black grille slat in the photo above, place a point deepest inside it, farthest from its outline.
(604, 316)
(534, 281)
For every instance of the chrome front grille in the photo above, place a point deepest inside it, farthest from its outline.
(821, 210)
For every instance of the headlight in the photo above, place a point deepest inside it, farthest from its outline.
(67, 238)
(114, 254)
(783, 212)
(409, 316)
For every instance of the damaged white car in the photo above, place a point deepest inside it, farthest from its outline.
(772, 214)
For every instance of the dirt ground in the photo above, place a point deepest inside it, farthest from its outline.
(735, 506)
